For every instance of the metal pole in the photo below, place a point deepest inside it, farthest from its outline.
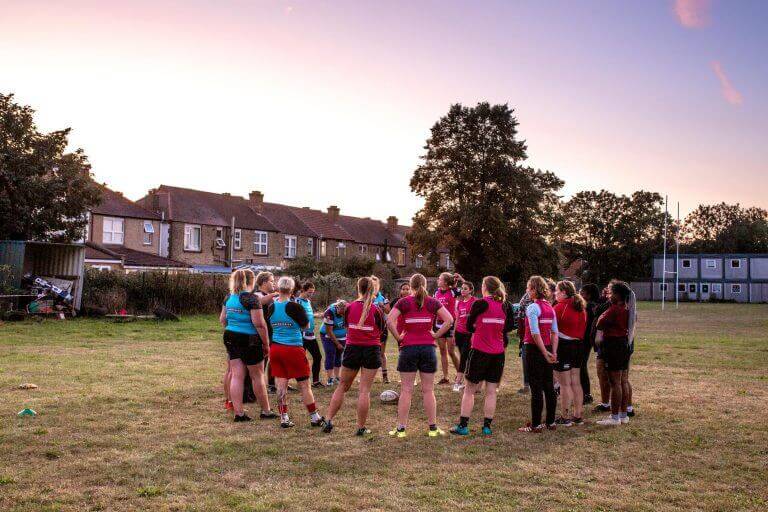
(232, 245)
(664, 261)
(677, 259)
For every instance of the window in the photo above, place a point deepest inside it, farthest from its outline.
(448, 261)
(717, 288)
(681, 287)
(101, 268)
(663, 287)
(87, 231)
(736, 288)
(113, 230)
(238, 239)
(419, 261)
(310, 247)
(363, 249)
(148, 231)
(401, 257)
(341, 249)
(323, 248)
(692, 288)
(735, 263)
(704, 288)
(260, 243)
(290, 246)
(686, 263)
(219, 241)
(710, 263)
(191, 237)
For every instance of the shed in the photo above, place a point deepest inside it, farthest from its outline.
(58, 260)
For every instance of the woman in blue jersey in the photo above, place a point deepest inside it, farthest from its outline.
(383, 304)
(246, 340)
(333, 333)
(287, 320)
(310, 340)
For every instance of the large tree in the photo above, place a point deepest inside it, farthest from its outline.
(726, 228)
(615, 234)
(44, 190)
(491, 212)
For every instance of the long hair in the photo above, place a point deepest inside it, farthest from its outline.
(469, 285)
(592, 291)
(376, 284)
(495, 287)
(419, 288)
(569, 289)
(241, 280)
(539, 287)
(366, 289)
(620, 292)
(447, 278)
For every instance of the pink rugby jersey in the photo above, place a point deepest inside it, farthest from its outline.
(417, 322)
(546, 319)
(448, 300)
(370, 332)
(462, 314)
(489, 328)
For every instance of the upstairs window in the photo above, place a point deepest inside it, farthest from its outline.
(290, 246)
(113, 230)
(735, 263)
(260, 243)
(401, 257)
(710, 263)
(686, 263)
(148, 232)
(237, 237)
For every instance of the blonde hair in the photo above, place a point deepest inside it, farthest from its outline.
(286, 284)
(447, 277)
(419, 288)
(569, 289)
(366, 289)
(495, 287)
(241, 280)
(539, 287)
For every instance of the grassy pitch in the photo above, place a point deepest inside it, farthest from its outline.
(131, 418)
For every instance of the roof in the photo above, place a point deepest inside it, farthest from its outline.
(573, 269)
(369, 231)
(130, 257)
(320, 223)
(114, 203)
(199, 207)
(286, 220)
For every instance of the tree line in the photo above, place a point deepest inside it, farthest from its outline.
(496, 214)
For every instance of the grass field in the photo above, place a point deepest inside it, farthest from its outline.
(131, 418)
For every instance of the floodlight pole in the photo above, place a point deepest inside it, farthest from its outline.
(664, 260)
(677, 259)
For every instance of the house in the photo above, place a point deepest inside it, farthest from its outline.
(702, 277)
(122, 235)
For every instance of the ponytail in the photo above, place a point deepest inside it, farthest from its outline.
(366, 287)
(495, 288)
(241, 280)
(419, 289)
(569, 289)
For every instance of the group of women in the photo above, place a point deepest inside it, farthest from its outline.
(274, 323)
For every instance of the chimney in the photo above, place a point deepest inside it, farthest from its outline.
(256, 201)
(392, 223)
(333, 213)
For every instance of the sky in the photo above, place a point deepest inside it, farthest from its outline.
(330, 102)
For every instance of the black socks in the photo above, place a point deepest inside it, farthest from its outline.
(487, 422)
(463, 421)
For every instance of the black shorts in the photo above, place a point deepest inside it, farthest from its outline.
(482, 366)
(448, 334)
(361, 356)
(417, 358)
(615, 354)
(568, 355)
(246, 347)
(463, 342)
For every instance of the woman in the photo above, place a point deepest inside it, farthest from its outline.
(246, 340)
(383, 304)
(602, 375)
(571, 314)
(525, 301)
(489, 320)
(286, 320)
(265, 291)
(541, 346)
(365, 322)
(310, 340)
(591, 294)
(614, 324)
(463, 336)
(446, 295)
(417, 350)
(333, 333)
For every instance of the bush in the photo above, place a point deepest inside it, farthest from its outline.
(352, 266)
(329, 288)
(6, 280)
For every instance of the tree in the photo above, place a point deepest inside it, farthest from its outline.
(726, 228)
(44, 191)
(616, 235)
(490, 211)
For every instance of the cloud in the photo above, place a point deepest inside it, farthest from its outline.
(692, 13)
(730, 93)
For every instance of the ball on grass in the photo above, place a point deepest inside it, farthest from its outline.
(389, 397)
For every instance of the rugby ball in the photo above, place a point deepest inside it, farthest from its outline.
(389, 397)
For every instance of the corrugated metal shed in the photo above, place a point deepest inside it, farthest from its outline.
(64, 261)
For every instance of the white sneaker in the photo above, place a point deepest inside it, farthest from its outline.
(609, 421)
(624, 420)
(457, 387)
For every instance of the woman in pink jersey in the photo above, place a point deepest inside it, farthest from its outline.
(417, 350)
(489, 320)
(446, 295)
(541, 340)
(463, 337)
(365, 322)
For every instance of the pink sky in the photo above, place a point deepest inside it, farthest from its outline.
(319, 103)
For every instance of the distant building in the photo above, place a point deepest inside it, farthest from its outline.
(702, 277)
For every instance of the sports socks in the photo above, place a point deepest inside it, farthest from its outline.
(463, 421)
(313, 414)
(487, 422)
